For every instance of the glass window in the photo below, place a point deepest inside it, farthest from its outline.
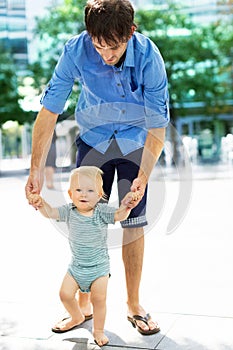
(16, 24)
(2, 3)
(3, 25)
(16, 4)
(18, 45)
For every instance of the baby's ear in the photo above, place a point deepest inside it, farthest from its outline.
(70, 193)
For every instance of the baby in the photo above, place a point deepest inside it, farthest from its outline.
(87, 219)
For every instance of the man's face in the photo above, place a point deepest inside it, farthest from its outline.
(110, 54)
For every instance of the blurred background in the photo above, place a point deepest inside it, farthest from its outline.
(195, 38)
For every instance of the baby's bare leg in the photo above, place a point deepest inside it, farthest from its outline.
(98, 298)
(84, 300)
(68, 292)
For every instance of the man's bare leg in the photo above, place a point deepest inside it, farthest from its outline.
(132, 253)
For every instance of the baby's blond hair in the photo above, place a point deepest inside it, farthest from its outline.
(92, 172)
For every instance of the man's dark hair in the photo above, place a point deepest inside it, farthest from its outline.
(109, 20)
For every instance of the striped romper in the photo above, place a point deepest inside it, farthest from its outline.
(88, 243)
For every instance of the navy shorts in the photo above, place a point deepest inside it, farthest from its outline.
(126, 168)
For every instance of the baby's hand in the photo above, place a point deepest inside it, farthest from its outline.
(36, 200)
(132, 199)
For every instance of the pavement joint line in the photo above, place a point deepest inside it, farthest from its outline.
(165, 334)
(121, 346)
(76, 340)
(126, 347)
(197, 315)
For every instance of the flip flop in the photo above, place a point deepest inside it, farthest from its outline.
(133, 320)
(88, 317)
(58, 330)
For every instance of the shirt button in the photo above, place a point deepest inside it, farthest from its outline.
(118, 84)
(122, 96)
(123, 111)
(115, 131)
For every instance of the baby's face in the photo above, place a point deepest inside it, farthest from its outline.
(84, 192)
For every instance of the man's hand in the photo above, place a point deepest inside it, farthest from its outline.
(36, 200)
(33, 186)
(139, 185)
(131, 199)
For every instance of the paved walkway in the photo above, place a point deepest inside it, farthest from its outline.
(187, 282)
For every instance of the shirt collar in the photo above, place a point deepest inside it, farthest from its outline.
(129, 59)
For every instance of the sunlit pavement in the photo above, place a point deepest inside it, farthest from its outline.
(187, 283)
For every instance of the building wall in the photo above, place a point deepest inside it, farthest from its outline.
(33, 10)
(17, 21)
(13, 29)
(201, 11)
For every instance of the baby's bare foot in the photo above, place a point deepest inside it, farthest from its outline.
(100, 338)
(67, 324)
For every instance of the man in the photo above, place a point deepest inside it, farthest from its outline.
(122, 113)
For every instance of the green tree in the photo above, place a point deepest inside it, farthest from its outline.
(53, 31)
(197, 58)
(10, 98)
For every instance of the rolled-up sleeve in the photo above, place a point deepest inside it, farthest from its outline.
(156, 94)
(60, 86)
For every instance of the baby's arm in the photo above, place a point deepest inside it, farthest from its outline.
(44, 208)
(129, 202)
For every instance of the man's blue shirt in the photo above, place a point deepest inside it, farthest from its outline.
(121, 103)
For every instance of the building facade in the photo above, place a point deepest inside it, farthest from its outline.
(17, 21)
(13, 30)
(200, 11)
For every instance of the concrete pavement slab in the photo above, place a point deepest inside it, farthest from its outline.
(14, 343)
(27, 320)
(187, 282)
(199, 333)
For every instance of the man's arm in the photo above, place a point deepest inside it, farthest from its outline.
(41, 140)
(152, 150)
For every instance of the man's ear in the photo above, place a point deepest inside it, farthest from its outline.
(133, 28)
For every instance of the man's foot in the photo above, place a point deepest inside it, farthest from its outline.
(142, 321)
(100, 338)
(135, 319)
(67, 324)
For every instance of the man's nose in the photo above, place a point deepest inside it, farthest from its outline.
(108, 53)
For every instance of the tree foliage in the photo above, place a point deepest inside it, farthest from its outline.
(10, 98)
(198, 58)
(53, 31)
